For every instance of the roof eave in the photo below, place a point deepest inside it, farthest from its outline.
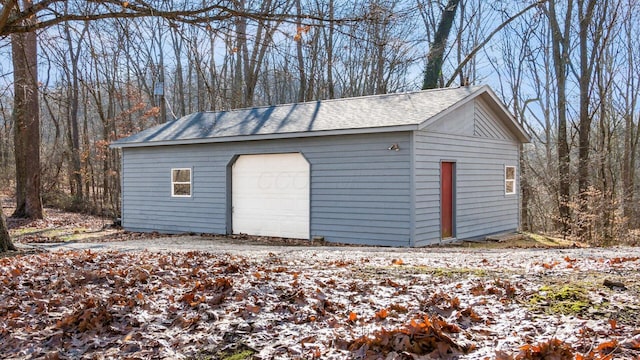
(224, 139)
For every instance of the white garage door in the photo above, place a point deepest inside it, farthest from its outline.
(270, 195)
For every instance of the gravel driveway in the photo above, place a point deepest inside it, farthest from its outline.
(456, 255)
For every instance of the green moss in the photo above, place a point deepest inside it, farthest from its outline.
(230, 351)
(403, 270)
(454, 272)
(246, 354)
(565, 299)
(25, 231)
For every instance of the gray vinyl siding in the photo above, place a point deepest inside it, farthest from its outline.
(458, 121)
(360, 191)
(485, 124)
(481, 206)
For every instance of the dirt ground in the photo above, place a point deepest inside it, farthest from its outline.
(85, 290)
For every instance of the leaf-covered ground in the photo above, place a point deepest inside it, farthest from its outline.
(245, 297)
(60, 226)
(329, 303)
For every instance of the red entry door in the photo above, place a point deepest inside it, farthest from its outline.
(446, 199)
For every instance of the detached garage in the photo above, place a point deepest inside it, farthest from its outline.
(408, 169)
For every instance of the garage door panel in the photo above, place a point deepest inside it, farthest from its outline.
(270, 195)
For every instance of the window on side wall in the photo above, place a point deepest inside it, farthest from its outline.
(181, 182)
(509, 180)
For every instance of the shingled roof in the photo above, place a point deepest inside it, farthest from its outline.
(366, 114)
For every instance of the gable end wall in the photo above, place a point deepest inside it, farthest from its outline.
(481, 206)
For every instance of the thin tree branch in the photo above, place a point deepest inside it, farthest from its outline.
(109, 9)
(6, 11)
(487, 39)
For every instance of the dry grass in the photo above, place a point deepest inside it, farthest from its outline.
(523, 240)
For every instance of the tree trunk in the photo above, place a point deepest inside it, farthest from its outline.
(629, 170)
(179, 92)
(26, 117)
(329, 42)
(313, 91)
(381, 87)
(584, 127)
(5, 240)
(241, 42)
(436, 53)
(4, 161)
(73, 135)
(560, 48)
(631, 132)
(300, 54)
(525, 189)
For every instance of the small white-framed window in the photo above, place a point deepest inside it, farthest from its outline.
(509, 180)
(181, 182)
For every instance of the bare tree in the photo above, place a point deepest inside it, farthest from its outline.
(177, 42)
(480, 45)
(630, 93)
(188, 12)
(73, 136)
(435, 58)
(587, 57)
(5, 140)
(517, 53)
(328, 38)
(26, 116)
(5, 240)
(560, 38)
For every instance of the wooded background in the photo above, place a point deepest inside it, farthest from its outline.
(567, 70)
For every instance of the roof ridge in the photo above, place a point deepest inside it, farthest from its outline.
(474, 87)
